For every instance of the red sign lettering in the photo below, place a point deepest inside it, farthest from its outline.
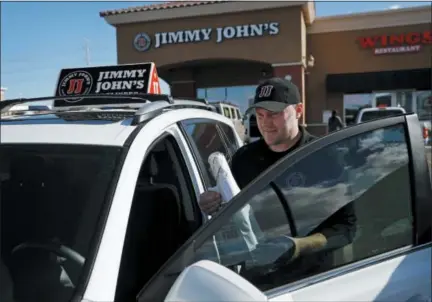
(412, 38)
(75, 86)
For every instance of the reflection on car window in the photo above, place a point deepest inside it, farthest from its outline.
(51, 194)
(230, 137)
(366, 176)
(207, 139)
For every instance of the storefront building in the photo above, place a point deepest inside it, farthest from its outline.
(222, 49)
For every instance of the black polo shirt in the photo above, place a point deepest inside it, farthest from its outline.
(254, 158)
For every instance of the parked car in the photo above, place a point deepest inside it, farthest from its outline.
(232, 112)
(368, 114)
(101, 204)
(252, 131)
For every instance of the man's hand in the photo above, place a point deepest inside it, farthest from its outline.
(309, 244)
(210, 202)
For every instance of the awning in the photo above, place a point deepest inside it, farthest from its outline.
(366, 82)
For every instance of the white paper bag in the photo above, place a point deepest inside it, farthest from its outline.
(228, 188)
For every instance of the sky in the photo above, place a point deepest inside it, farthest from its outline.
(40, 38)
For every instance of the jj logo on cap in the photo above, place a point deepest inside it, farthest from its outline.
(265, 91)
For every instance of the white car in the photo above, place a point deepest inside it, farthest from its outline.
(100, 204)
(252, 131)
(368, 114)
(232, 112)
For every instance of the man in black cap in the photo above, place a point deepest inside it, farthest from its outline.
(278, 108)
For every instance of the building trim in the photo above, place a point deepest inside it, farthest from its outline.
(316, 125)
(289, 64)
(369, 20)
(182, 82)
(207, 10)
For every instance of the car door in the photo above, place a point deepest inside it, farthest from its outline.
(381, 250)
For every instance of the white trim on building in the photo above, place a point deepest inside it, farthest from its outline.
(227, 7)
(369, 20)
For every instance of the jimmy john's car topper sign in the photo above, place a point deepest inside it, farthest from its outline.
(143, 41)
(118, 79)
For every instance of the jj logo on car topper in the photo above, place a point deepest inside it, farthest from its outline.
(76, 83)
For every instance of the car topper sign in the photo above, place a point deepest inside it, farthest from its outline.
(110, 80)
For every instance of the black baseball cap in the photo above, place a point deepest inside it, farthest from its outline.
(275, 94)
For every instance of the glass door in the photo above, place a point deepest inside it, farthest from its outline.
(405, 99)
(424, 105)
(384, 99)
(401, 98)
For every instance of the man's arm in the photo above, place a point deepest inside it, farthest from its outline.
(341, 124)
(339, 229)
(336, 232)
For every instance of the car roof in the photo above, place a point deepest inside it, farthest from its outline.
(382, 108)
(95, 125)
(222, 103)
(52, 129)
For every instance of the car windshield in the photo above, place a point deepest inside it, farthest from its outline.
(376, 114)
(51, 199)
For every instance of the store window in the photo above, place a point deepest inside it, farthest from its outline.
(353, 103)
(424, 105)
(412, 101)
(238, 95)
(405, 99)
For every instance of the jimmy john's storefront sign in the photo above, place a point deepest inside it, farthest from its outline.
(143, 41)
(396, 43)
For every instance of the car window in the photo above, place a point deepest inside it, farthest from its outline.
(238, 114)
(233, 115)
(227, 112)
(356, 192)
(164, 213)
(205, 139)
(230, 136)
(52, 195)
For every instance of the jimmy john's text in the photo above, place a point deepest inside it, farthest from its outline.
(219, 34)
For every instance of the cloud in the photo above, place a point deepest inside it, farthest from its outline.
(396, 6)
(314, 203)
(378, 155)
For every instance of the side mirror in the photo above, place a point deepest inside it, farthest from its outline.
(208, 281)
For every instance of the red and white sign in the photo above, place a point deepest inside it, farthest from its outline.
(127, 79)
(396, 43)
(154, 85)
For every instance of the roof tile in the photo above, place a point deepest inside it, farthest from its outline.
(158, 6)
